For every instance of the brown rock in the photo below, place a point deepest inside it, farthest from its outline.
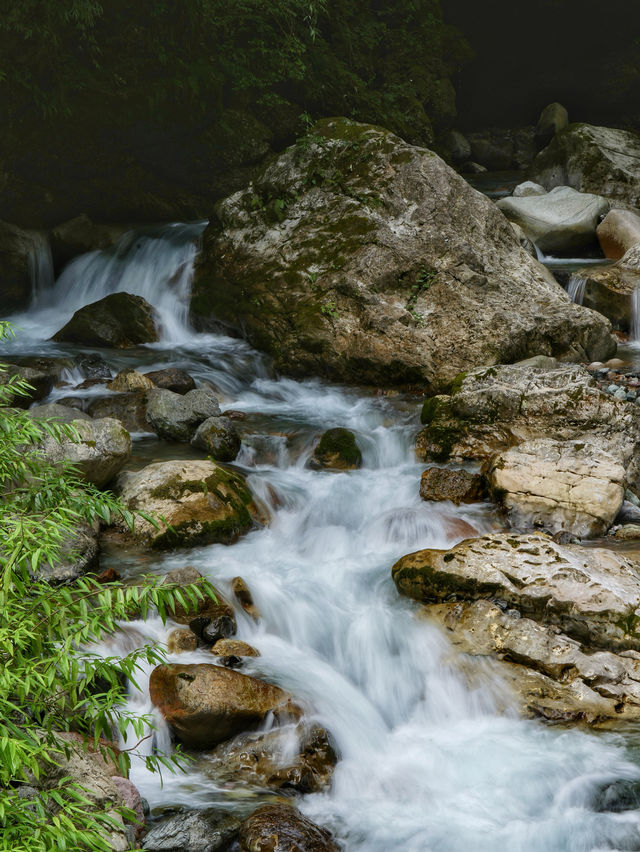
(282, 828)
(129, 380)
(233, 648)
(459, 486)
(206, 704)
(244, 597)
(181, 639)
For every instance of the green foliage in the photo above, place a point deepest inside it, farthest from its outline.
(52, 679)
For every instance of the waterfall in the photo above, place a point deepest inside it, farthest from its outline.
(634, 334)
(155, 263)
(40, 262)
(576, 288)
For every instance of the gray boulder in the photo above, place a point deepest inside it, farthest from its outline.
(346, 256)
(601, 160)
(553, 118)
(560, 220)
(176, 417)
(219, 438)
(78, 556)
(208, 830)
(58, 413)
(100, 453)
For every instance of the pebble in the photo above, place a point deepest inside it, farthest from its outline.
(613, 388)
(620, 394)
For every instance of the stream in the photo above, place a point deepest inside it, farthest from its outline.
(433, 756)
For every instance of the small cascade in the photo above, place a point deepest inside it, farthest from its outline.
(576, 287)
(155, 263)
(40, 266)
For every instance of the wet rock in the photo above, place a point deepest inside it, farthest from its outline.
(602, 160)
(172, 379)
(233, 648)
(58, 413)
(629, 512)
(300, 758)
(490, 410)
(459, 486)
(628, 532)
(548, 673)
(119, 321)
(129, 380)
(209, 830)
(337, 450)
(618, 797)
(176, 417)
(41, 382)
(282, 828)
(180, 640)
(218, 437)
(79, 236)
(206, 704)
(553, 119)
(129, 408)
(560, 220)
(213, 628)
(609, 290)
(354, 278)
(591, 594)
(93, 366)
(244, 597)
(103, 448)
(198, 502)
(618, 232)
(559, 485)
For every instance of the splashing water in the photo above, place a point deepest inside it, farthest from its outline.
(576, 288)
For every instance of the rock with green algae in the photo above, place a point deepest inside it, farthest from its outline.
(194, 502)
(219, 438)
(119, 321)
(346, 254)
(336, 450)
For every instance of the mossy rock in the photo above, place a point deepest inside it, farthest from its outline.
(119, 321)
(337, 450)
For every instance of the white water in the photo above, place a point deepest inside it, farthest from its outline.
(576, 287)
(433, 755)
(156, 264)
(634, 336)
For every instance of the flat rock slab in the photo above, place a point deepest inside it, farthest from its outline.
(592, 595)
(550, 674)
(559, 485)
(560, 220)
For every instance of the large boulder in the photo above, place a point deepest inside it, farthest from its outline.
(492, 409)
(336, 450)
(119, 321)
(102, 448)
(206, 704)
(129, 408)
(78, 555)
(57, 413)
(618, 232)
(602, 160)
(282, 828)
(561, 220)
(176, 417)
(347, 254)
(194, 502)
(559, 485)
(544, 671)
(591, 594)
(300, 759)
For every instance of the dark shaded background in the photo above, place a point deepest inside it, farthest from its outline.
(583, 53)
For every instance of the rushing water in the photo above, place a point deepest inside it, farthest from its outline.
(434, 757)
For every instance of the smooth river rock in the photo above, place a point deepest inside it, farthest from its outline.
(618, 232)
(206, 704)
(359, 257)
(176, 417)
(119, 321)
(560, 220)
(101, 451)
(559, 485)
(195, 502)
(282, 828)
(591, 594)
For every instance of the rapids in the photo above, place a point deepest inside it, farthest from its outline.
(434, 757)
